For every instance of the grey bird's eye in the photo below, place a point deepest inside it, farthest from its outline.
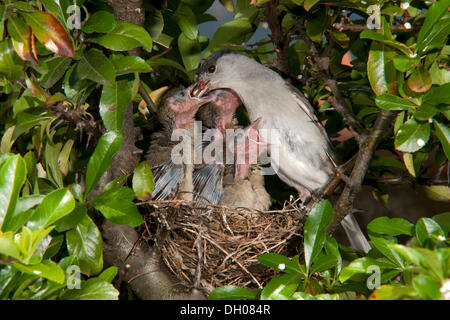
(211, 69)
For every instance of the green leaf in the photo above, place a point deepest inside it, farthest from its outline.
(72, 219)
(279, 262)
(443, 134)
(9, 248)
(116, 206)
(85, 242)
(332, 249)
(109, 274)
(426, 259)
(93, 289)
(99, 21)
(95, 66)
(57, 67)
(22, 38)
(12, 177)
(427, 287)
(164, 62)
(186, 20)
(190, 51)
(391, 226)
(10, 63)
(381, 76)
(100, 160)
(363, 266)
(53, 207)
(412, 136)
(308, 4)
(319, 218)
(420, 80)
(427, 228)
(282, 287)
(371, 34)
(438, 95)
(22, 212)
(113, 103)
(434, 13)
(444, 221)
(46, 269)
(390, 102)
(403, 63)
(129, 64)
(125, 36)
(233, 293)
(231, 32)
(143, 182)
(393, 292)
(323, 262)
(385, 247)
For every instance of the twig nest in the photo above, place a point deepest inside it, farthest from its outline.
(207, 246)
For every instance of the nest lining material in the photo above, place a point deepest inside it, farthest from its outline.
(207, 246)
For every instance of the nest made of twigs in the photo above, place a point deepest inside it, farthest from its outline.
(207, 246)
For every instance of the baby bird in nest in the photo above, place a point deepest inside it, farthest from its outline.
(172, 176)
(237, 183)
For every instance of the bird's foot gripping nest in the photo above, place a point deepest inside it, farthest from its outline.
(207, 246)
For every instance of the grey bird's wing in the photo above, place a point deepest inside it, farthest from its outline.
(208, 183)
(168, 178)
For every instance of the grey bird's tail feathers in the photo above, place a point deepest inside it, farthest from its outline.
(354, 233)
(208, 183)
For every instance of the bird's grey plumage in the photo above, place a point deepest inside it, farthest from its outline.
(299, 147)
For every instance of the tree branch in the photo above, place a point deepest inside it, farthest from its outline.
(342, 27)
(344, 204)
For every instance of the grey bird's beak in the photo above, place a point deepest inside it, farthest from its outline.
(200, 88)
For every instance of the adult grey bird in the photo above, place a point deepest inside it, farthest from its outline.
(300, 150)
(176, 111)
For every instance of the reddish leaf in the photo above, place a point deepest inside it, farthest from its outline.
(22, 39)
(50, 32)
(420, 80)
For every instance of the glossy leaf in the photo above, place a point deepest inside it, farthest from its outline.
(420, 80)
(427, 287)
(12, 177)
(438, 95)
(116, 205)
(100, 21)
(10, 63)
(233, 293)
(57, 66)
(50, 32)
(95, 66)
(282, 287)
(53, 207)
(314, 231)
(125, 36)
(391, 226)
(143, 182)
(390, 102)
(22, 39)
(443, 133)
(281, 263)
(190, 52)
(93, 289)
(186, 20)
(427, 228)
(436, 11)
(403, 63)
(113, 103)
(85, 242)
(363, 266)
(46, 269)
(412, 136)
(100, 160)
(129, 64)
(234, 31)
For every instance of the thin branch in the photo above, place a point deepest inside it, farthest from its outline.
(350, 27)
(148, 100)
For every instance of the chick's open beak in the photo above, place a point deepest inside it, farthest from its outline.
(200, 88)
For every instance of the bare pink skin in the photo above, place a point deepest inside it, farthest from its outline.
(250, 151)
(226, 102)
(184, 106)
